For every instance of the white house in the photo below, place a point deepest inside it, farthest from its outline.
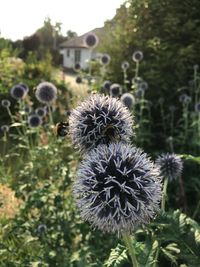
(75, 51)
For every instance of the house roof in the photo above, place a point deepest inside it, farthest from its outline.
(78, 41)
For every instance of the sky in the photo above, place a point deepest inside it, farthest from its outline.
(20, 18)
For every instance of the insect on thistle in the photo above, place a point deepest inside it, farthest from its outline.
(61, 129)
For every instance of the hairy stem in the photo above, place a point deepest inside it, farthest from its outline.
(164, 194)
(129, 245)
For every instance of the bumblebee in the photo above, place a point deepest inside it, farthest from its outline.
(61, 129)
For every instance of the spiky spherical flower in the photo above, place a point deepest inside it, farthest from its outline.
(170, 165)
(115, 90)
(144, 86)
(106, 86)
(197, 107)
(139, 93)
(78, 79)
(5, 128)
(128, 100)
(117, 188)
(5, 103)
(136, 80)
(18, 92)
(137, 56)
(125, 65)
(77, 66)
(34, 120)
(42, 228)
(28, 109)
(46, 92)
(91, 40)
(184, 99)
(99, 120)
(105, 59)
(41, 112)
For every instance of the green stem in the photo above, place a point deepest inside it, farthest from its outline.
(164, 194)
(137, 69)
(129, 245)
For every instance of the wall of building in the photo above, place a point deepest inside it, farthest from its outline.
(69, 57)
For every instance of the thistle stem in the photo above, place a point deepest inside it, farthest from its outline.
(128, 243)
(164, 194)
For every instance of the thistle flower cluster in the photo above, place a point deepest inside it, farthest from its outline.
(34, 120)
(117, 187)
(170, 165)
(99, 120)
(46, 92)
(105, 59)
(115, 90)
(91, 40)
(5, 103)
(18, 91)
(128, 100)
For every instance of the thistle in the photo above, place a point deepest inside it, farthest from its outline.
(46, 92)
(115, 90)
(117, 188)
(137, 56)
(128, 100)
(170, 165)
(105, 59)
(99, 120)
(34, 121)
(5, 103)
(18, 92)
(91, 40)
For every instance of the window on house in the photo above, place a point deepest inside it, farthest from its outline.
(77, 56)
(68, 52)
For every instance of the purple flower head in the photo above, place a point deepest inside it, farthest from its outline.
(117, 188)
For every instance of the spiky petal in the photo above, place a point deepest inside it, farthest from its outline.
(117, 188)
(99, 120)
(170, 165)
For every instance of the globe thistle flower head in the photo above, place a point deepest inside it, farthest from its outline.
(46, 92)
(117, 188)
(106, 86)
(137, 56)
(136, 80)
(28, 109)
(91, 40)
(125, 65)
(99, 120)
(78, 79)
(77, 66)
(197, 107)
(170, 165)
(139, 93)
(5, 128)
(5, 103)
(18, 92)
(41, 112)
(115, 90)
(42, 228)
(105, 59)
(182, 98)
(34, 120)
(144, 86)
(196, 67)
(128, 100)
